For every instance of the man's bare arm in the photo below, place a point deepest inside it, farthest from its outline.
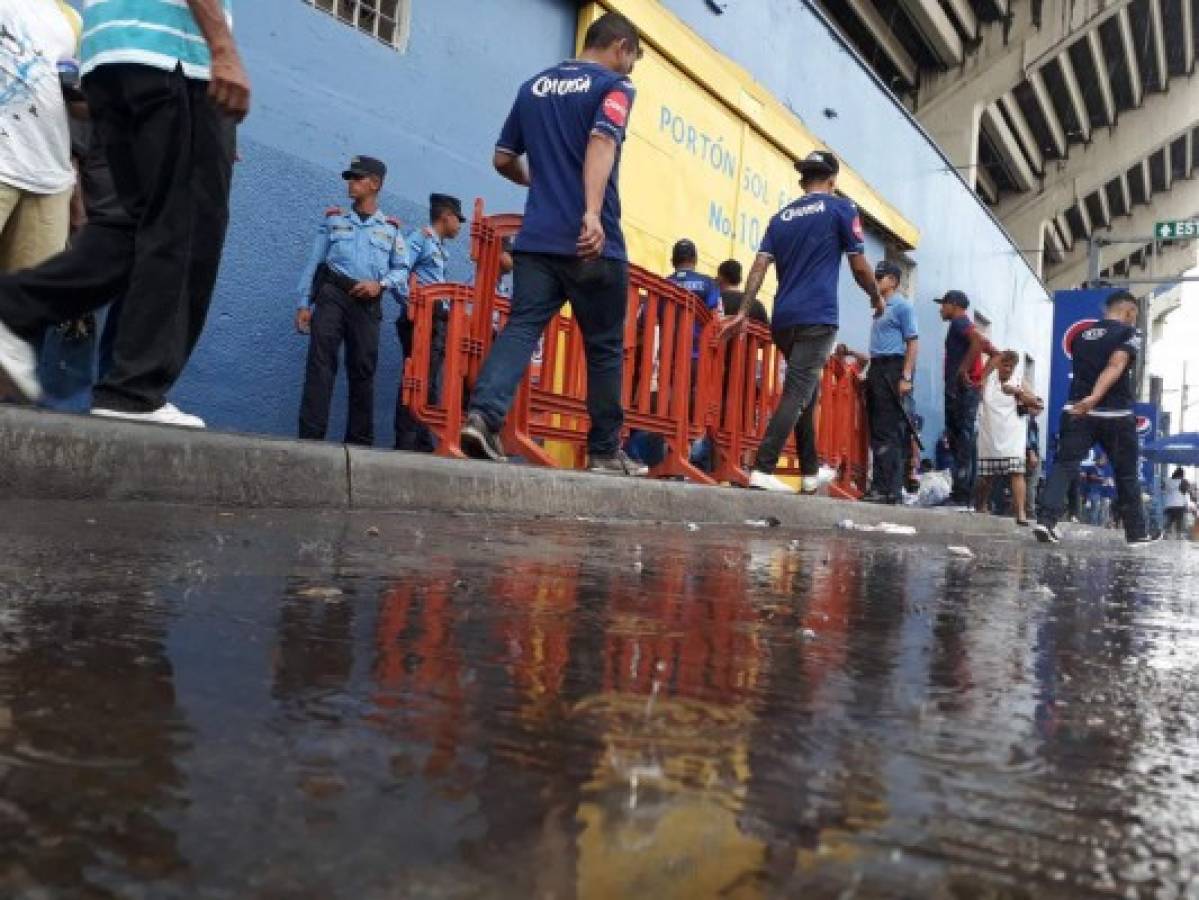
(1111, 373)
(597, 169)
(512, 167)
(863, 274)
(753, 284)
(978, 345)
(229, 87)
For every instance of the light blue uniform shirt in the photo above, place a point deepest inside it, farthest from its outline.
(427, 259)
(158, 33)
(890, 333)
(370, 250)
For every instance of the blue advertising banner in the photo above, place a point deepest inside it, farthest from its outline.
(1073, 313)
(1148, 425)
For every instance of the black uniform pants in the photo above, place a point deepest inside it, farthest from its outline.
(1118, 439)
(412, 435)
(888, 430)
(336, 319)
(171, 155)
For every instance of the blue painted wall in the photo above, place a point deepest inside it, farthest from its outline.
(323, 92)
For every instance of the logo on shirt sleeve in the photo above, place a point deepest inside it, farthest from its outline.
(616, 108)
(857, 228)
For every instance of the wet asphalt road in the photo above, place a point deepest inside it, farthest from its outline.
(288, 705)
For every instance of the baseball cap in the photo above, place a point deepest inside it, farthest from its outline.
(818, 162)
(684, 249)
(439, 202)
(364, 166)
(885, 267)
(955, 298)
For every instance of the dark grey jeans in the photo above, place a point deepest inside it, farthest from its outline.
(806, 349)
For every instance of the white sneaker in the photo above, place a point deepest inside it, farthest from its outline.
(167, 414)
(810, 484)
(18, 367)
(760, 481)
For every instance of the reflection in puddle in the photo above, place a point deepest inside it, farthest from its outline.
(482, 709)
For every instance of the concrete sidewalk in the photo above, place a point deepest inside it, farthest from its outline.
(54, 456)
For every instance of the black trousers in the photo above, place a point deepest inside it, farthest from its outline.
(888, 430)
(1118, 439)
(340, 319)
(412, 435)
(171, 156)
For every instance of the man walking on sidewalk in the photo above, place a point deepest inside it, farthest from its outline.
(570, 121)
(964, 349)
(1100, 412)
(165, 88)
(806, 240)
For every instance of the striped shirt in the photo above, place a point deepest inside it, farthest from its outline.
(158, 33)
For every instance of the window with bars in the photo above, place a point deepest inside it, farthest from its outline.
(384, 20)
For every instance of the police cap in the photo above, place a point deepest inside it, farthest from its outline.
(955, 298)
(438, 203)
(364, 166)
(885, 267)
(818, 163)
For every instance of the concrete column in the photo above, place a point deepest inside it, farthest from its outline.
(954, 126)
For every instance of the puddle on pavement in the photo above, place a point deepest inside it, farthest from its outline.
(291, 706)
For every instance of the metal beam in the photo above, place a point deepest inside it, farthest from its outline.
(1168, 167)
(890, 45)
(1024, 133)
(1054, 240)
(986, 184)
(1103, 77)
(1008, 148)
(1110, 152)
(1158, 30)
(1074, 92)
(1126, 192)
(1056, 132)
(932, 22)
(1088, 227)
(1168, 266)
(1188, 28)
(1105, 206)
(1180, 203)
(1147, 179)
(963, 12)
(1130, 57)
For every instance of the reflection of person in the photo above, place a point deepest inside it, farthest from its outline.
(1177, 499)
(1003, 433)
(570, 120)
(1100, 412)
(964, 347)
(894, 344)
(357, 257)
(806, 240)
(165, 87)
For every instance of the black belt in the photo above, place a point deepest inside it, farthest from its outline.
(326, 275)
(889, 356)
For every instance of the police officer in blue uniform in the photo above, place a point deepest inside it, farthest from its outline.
(357, 257)
(426, 262)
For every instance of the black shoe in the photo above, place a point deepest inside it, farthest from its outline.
(479, 441)
(1152, 537)
(619, 463)
(1046, 534)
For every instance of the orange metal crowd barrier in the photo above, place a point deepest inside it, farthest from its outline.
(725, 393)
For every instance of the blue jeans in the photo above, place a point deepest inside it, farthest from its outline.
(961, 418)
(598, 295)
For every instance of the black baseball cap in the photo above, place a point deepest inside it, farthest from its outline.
(955, 298)
(684, 249)
(885, 267)
(440, 202)
(818, 162)
(361, 166)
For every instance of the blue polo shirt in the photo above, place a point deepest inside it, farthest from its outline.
(553, 118)
(807, 239)
(703, 287)
(890, 332)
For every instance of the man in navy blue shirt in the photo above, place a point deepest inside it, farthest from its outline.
(570, 122)
(964, 349)
(1100, 412)
(806, 240)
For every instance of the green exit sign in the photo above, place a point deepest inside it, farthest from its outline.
(1172, 231)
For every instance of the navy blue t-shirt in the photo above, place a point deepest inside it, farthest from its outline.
(807, 240)
(553, 118)
(1092, 349)
(703, 287)
(957, 345)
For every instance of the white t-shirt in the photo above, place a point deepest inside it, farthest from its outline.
(35, 140)
(1002, 432)
(1175, 498)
